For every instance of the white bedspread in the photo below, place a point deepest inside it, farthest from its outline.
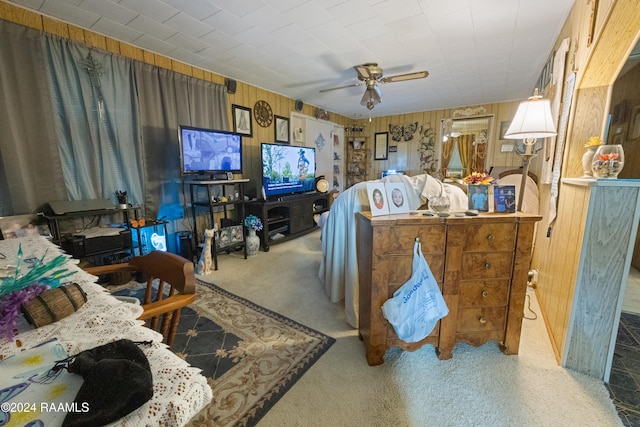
(339, 263)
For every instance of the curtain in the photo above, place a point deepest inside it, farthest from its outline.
(167, 100)
(447, 151)
(96, 114)
(75, 134)
(464, 146)
(30, 169)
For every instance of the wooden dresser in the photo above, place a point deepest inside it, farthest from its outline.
(481, 265)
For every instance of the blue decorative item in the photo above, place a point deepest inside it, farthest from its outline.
(20, 289)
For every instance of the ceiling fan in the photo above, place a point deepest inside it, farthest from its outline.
(370, 75)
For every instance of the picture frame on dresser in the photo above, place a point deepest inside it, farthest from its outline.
(397, 197)
(478, 197)
(377, 195)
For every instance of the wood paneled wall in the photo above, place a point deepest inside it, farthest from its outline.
(557, 255)
(246, 95)
(407, 158)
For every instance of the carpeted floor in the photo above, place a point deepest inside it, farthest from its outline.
(477, 387)
(250, 355)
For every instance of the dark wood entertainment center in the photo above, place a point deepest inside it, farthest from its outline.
(287, 217)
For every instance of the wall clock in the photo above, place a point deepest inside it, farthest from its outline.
(263, 114)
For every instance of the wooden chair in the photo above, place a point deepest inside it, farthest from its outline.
(161, 312)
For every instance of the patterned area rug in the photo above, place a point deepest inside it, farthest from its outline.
(251, 355)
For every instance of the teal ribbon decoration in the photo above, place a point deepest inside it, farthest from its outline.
(45, 273)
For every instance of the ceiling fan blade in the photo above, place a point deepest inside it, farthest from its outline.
(341, 87)
(363, 72)
(403, 77)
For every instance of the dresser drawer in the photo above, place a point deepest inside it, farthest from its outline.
(391, 333)
(481, 319)
(483, 293)
(400, 240)
(489, 265)
(490, 237)
(400, 268)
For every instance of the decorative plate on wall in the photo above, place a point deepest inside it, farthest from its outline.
(263, 114)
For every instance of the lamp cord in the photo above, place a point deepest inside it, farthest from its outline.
(535, 315)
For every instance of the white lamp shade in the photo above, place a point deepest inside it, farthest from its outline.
(532, 120)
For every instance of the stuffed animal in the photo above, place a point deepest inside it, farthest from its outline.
(204, 264)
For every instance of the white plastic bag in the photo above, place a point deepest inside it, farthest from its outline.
(416, 306)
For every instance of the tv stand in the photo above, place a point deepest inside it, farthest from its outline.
(293, 196)
(289, 217)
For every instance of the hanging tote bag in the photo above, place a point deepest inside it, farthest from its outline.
(417, 305)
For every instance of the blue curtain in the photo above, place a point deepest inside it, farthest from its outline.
(96, 114)
(80, 123)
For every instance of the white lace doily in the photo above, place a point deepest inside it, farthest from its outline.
(179, 390)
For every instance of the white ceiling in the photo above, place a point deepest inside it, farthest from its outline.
(476, 51)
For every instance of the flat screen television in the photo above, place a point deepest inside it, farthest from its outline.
(287, 169)
(208, 151)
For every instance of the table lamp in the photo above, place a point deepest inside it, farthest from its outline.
(533, 120)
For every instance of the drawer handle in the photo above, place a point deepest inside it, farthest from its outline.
(482, 320)
(485, 294)
(487, 265)
(490, 237)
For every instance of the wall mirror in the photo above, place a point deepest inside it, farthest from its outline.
(465, 144)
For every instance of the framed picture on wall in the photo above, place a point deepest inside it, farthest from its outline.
(381, 146)
(503, 129)
(242, 120)
(281, 129)
(617, 133)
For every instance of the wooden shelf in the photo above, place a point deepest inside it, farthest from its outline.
(288, 218)
(220, 187)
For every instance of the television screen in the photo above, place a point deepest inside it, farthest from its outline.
(287, 169)
(210, 151)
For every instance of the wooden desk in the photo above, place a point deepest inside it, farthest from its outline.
(179, 390)
(481, 265)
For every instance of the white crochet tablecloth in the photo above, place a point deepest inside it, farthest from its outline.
(179, 390)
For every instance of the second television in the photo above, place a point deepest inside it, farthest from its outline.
(287, 169)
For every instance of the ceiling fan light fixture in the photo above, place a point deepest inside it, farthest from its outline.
(371, 97)
(370, 74)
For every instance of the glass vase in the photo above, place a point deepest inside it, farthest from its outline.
(439, 204)
(608, 161)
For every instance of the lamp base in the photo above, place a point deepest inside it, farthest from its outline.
(526, 159)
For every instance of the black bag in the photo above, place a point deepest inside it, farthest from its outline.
(117, 381)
